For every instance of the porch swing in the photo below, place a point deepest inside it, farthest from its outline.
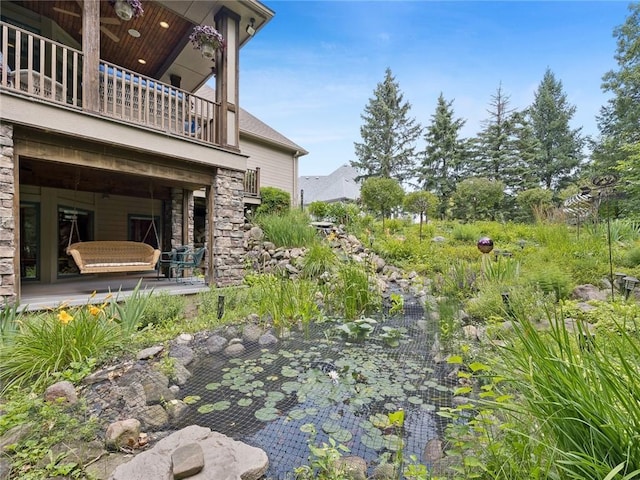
(113, 256)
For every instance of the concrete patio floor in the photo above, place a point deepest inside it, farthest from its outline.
(80, 290)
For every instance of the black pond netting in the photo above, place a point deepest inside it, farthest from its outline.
(314, 385)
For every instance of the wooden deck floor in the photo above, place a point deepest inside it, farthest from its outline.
(80, 291)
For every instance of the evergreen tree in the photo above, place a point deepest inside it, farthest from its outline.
(560, 148)
(445, 155)
(495, 143)
(526, 145)
(619, 119)
(621, 116)
(388, 135)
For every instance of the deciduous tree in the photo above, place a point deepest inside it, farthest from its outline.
(381, 195)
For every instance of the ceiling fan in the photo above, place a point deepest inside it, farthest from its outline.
(103, 22)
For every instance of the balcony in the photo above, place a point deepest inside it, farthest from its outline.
(42, 70)
(51, 72)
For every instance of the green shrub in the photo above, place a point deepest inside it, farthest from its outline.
(318, 210)
(273, 201)
(49, 424)
(238, 302)
(396, 225)
(631, 258)
(466, 232)
(551, 280)
(290, 229)
(162, 309)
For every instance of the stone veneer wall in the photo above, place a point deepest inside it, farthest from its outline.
(228, 228)
(177, 196)
(7, 215)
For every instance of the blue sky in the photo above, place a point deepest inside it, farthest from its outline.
(311, 71)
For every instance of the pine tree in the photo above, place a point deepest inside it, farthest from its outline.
(621, 116)
(502, 147)
(560, 148)
(619, 119)
(445, 155)
(388, 135)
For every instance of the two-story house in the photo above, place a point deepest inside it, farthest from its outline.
(104, 135)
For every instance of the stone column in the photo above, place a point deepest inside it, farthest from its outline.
(176, 217)
(228, 234)
(8, 214)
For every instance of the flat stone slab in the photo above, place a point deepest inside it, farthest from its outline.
(224, 458)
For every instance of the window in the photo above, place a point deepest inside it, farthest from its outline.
(29, 241)
(144, 229)
(73, 226)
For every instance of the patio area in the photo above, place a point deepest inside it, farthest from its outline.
(79, 290)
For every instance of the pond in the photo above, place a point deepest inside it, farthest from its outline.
(316, 381)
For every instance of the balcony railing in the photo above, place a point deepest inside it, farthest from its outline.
(52, 72)
(252, 183)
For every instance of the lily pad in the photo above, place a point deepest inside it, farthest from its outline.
(297, 414)
(266, 414)
(308, 428)
(275, 396)
(206, 408)
(191, 399)
(289, 372)
(220, 406)
(213, 386)
(428, 407)
(330, 426)
(393, 442)
(245, 402)
(290, 387)
(342, 435)
(372, 442)
(414, 400)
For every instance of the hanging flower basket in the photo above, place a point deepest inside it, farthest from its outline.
(206, 39)
(127, 9)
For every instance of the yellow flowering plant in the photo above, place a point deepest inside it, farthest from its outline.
(50, 343)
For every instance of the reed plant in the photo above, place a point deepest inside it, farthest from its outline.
(129, 312)
(10, 316)
(52, 342)
(319, 259)
(288, 229)
(354, 292)
(285, 301)
(582, 395)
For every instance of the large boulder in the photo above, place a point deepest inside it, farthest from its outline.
(224, 458)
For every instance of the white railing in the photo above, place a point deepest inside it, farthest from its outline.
(52, 72)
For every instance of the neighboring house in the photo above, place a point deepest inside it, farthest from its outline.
(103, 135)
(271, 155)
(338, 186)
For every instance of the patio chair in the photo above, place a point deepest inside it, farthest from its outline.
(169, 259)
(190, 261)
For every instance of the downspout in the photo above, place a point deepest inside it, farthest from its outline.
(296, 193)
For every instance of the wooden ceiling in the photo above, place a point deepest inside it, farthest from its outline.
(158, 46)
(59, 175)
